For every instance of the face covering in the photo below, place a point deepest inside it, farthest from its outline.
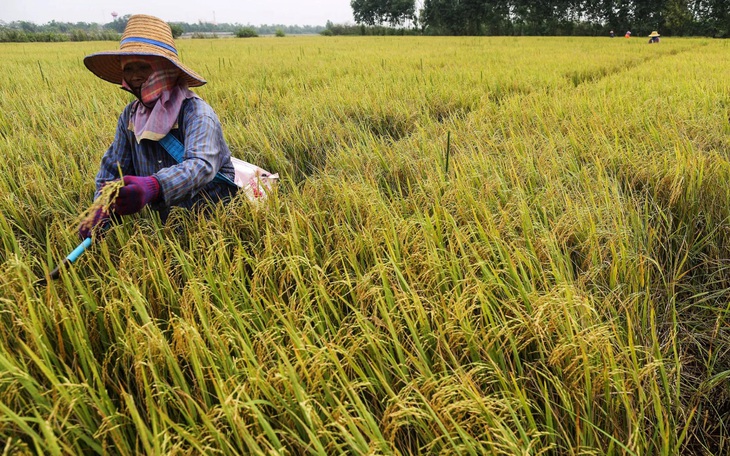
(160, 98)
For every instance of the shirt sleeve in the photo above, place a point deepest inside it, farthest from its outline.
(202, 159)
(118, 156)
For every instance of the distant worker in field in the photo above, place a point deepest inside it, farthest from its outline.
(654, 37)
(165, 115)
(627, 35)
(611, 34)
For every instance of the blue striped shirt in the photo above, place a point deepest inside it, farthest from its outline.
(182, 184)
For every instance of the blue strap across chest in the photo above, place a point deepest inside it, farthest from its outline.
(175, 148)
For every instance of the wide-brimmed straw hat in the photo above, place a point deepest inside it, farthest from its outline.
(145, 36)
(654, 33)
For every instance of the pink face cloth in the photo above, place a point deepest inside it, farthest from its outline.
(160, 98)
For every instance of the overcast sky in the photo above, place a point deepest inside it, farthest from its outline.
(254, 12)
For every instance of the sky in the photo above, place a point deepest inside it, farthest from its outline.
(253, 12)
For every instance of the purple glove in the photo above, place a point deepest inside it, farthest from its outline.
(136, 194)
(99, 220)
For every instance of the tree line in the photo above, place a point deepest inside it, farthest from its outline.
(24, 31)
(549, 17)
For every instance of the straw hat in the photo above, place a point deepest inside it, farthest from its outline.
(654, 33)
(143, 35)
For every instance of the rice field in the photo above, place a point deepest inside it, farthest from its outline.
(478, 246)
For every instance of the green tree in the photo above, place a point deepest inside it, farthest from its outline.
(717, 18)
(177, 30)
(28, 26)
(466, 17)
(677, 17)
(246, 32)
(118, 24)
(649, 15)
(376, 12)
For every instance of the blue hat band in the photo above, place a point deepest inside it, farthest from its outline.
(136, 39)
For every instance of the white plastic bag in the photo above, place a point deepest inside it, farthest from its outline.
(253, 180)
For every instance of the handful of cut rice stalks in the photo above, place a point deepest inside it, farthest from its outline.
(92, 216)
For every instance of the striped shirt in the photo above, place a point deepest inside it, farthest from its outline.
(182, 184)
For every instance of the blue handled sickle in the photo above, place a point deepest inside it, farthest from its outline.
(73, 256)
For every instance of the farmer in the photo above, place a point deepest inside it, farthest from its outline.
(147, 66)
(654, 37)
(628, 34)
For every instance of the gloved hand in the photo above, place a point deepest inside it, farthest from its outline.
(101, 218)
(136, 194)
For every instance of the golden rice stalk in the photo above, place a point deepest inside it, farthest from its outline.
(106, 198)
